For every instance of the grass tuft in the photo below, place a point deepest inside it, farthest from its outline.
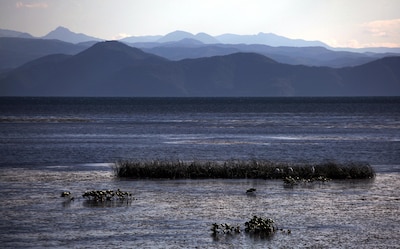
(240, 169)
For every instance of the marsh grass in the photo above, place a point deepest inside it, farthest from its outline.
(239, 169)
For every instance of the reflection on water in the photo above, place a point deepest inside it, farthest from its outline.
(179, 213)
(105, 204)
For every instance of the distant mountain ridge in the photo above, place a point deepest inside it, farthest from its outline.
(15, 52)
(311, 56)
(177, 36)
(269, 39)
(115, 69)
(12, 33)
(261, 38)
(64, 34)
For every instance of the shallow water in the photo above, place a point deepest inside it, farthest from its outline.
(179, 213)
(50, 145)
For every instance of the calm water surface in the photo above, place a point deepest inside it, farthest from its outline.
(49, 145)
(179, 213)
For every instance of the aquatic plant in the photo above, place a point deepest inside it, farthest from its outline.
(240, 169)
(291, 181)
(67, 196)
(256, 226)
(224, 228)
(101, 195)
(349, 170)
(107, 195)
(260, 226)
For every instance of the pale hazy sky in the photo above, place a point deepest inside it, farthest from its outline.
(339, 23)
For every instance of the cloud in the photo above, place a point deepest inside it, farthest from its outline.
(38, 5)
(378, 33)
(353, 43)
(383, 28)
(120, 36)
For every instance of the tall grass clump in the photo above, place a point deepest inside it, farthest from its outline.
(239, 169)
(350, 170)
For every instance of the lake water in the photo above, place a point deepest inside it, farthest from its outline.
(50, 145)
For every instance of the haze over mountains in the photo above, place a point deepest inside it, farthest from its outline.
(64, 63)
(269, 39)
(64, 34)
(116, 69)
(179, 45)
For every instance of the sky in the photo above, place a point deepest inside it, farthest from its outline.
(338, 23)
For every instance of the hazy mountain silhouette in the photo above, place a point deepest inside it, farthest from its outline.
(87, 73)
(177, 51)
(12, 33)
(311, 56)
(267, 39)
(369, 50)
(180, 35)
(186, 42)
(180, 45)
(144, 39)
(15, 52)
(261, 38)
(380, 77)
(175, 36)
(115, 69)
(64, 34)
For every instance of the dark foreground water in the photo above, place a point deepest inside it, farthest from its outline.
(51, 145)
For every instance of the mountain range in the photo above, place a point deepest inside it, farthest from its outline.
(16, 51)
(178, 45)
(269, 39)
(64, 34)
(116, 69)
(12, 33)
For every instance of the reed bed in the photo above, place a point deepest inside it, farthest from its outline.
(239, 169)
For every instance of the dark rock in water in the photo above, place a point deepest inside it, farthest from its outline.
(251, 191)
